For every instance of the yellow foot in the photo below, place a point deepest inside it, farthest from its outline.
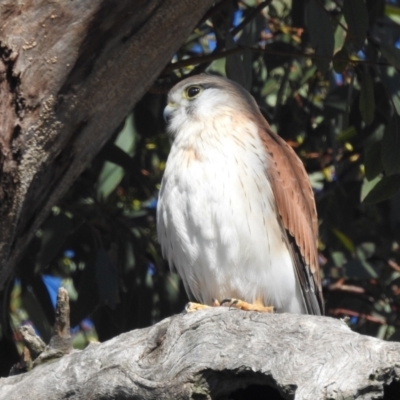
(191, 307)
(242, 305)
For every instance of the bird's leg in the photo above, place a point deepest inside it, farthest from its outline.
(190, 307)
(258, 305)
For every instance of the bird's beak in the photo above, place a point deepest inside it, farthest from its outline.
(168, 111)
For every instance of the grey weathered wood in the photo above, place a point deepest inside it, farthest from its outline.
(35, 351)
(70, 71)
(215, 352)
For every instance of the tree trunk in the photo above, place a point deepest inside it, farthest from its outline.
(211, 354)
(70, 71)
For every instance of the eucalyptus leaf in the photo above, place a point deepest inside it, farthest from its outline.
(338, 258)
(340, 34)
(383, 190)
(110, 177)
(317, 180)
(344, 239)
(119, 153)
(366, 250)
(319, 26)
(356, 15)
(368, 185)
(127, 137)
(340, 60)
(391, 80)
(366, 99)
(308, 74)
(391, 147)
(373, 161)
(391, 53)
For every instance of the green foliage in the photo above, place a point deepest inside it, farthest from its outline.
(356, 15)
(385, 188)
(324, 74)
(320, 29)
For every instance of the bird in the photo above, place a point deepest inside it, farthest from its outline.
(236, 214)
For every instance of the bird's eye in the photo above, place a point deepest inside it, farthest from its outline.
(193, 91)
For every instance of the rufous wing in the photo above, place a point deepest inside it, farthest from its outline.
(296, 206)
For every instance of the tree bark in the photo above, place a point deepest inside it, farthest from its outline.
(70, 71)
(210, 354)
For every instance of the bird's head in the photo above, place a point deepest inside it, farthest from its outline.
(202, 97)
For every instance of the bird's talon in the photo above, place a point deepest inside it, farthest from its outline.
(229, 303)
(243, 305)
(191, 307)
(215, 302)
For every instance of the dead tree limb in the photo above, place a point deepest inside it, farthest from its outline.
(211, 354)
(70, 71)
(35, 351)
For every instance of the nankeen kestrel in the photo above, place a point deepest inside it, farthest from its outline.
(236, 212)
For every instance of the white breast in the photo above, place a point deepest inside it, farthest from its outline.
(217, 222)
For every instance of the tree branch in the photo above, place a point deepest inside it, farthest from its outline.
(69, 74)
(60, 342)
(212, 353)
